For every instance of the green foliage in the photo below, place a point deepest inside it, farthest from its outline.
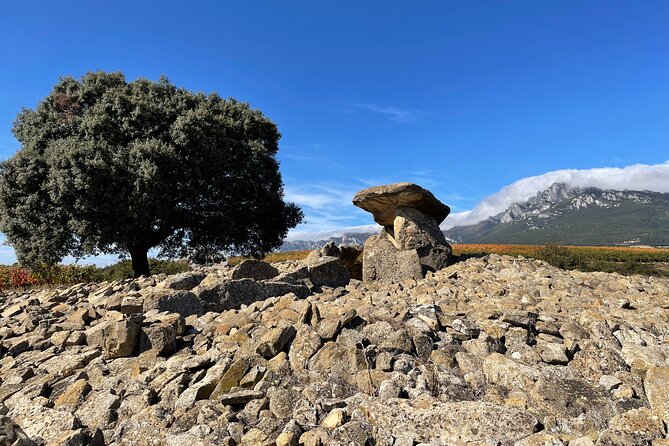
(559, 256)
(123, 269)
(622, 261)
(109, 166)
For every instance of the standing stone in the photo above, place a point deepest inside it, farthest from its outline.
(384, 262)
(411, 242)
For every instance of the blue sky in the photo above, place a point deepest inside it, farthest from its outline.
(463, 97)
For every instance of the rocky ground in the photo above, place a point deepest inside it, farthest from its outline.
(489, 351)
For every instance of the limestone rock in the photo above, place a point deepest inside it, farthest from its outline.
(254, 269)
(11, 433)
(383, 201)
(656, 385)
(415, 230)
(177, 301)
(383, 262)
(275, 340)
(328, 271)
(411, 242)
(121, 337)
(185, 281)
(448, 422)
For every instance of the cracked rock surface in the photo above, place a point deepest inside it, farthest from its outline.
(489, 351)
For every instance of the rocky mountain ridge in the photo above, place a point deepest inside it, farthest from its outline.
(579, 216)
(489, 351)
(559, 214)
(350, 239)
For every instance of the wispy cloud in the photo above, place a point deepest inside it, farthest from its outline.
(394, 113)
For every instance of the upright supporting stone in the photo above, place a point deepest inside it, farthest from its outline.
(411, 242)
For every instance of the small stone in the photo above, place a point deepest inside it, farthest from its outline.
(334, 419)
(240, 397)
(552, 353)
(609, 382)
(274, 341)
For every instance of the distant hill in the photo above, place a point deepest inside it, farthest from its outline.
(587, 216)
(580, 216)
(353, 238)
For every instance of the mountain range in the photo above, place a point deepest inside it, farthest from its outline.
(558, 214)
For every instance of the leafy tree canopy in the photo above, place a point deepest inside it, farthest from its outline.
(110, 166)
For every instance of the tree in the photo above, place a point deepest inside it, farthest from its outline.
(110, 166)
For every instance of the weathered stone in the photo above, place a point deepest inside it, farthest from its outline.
(11, 433)
(334, 419)
(121, 337)
(282, 402)
(506, 372)
(305, 344)
(42, 423)
(99, 410)
(448, 422)
(185, 281)
(383, 262)
(231, 378)
(656, 386)
(328, 271)
(240, 397)
(552, 353)
(414, 230)
(383, 201)
(254, 269)
(636, 427)
(176, 301)
(232, 294)
(272, 342)
(161, 337)
(74, 395)
(290, 435)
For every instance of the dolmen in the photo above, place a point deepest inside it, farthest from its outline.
(410, 243)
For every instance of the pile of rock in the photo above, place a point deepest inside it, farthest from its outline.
(411, 242)
(489, 351)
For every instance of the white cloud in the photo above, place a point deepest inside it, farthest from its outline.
(396, 114)
(634, 177)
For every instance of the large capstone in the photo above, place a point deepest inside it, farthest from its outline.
(411, 242)
(383, 201)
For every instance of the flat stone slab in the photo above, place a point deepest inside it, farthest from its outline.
(383, 201)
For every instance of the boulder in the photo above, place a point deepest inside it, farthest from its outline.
(161, 336)
(11, 433)
(383, 262)
(415, 230)
(184, 281)
(328, 271)
(383, 201)
(656, 385)
(232, 294)
(176, 301)
(254, 269)
(121, 337)
(274, 341)
(446, 422)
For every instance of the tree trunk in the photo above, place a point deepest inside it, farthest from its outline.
(140, 262)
